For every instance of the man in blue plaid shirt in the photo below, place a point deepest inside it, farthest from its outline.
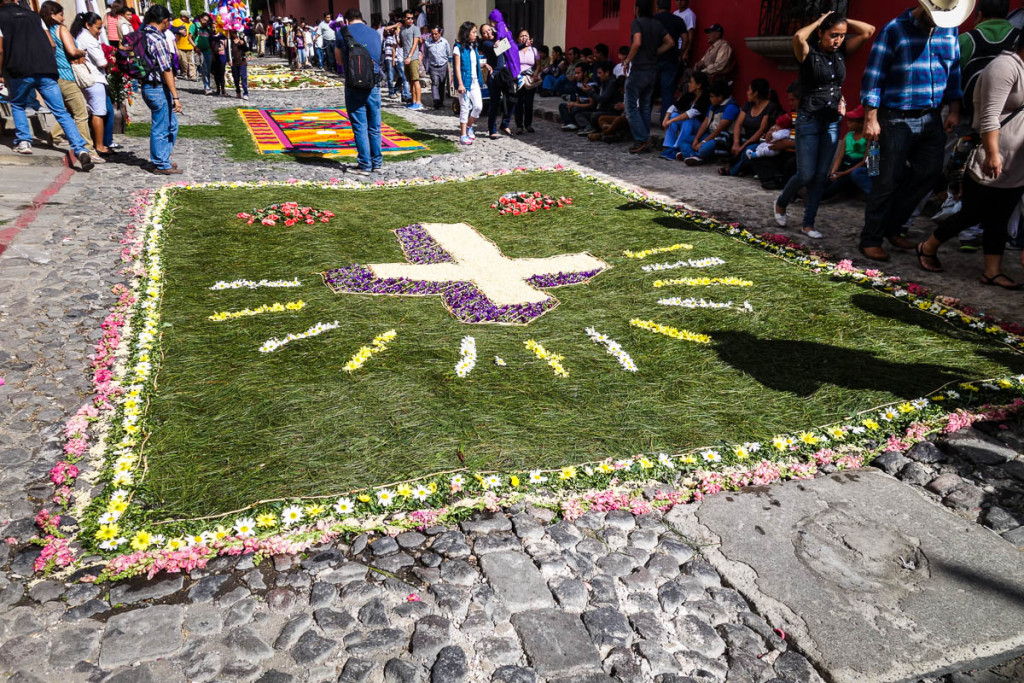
(913, 70)
(159, 91)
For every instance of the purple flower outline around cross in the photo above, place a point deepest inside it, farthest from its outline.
(466, 300)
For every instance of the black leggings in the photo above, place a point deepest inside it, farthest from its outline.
(217, 69)
(503, 102)
(992, 206)
(524, 107)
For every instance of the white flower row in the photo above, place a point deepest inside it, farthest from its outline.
(467, 360)
(614, 349)
(239, 284)
(704, 303)
(273, 344)
(691, 263)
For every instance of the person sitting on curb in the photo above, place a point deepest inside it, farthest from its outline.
(28, 66)
(719, 61)
(684, 118)
(714, 137)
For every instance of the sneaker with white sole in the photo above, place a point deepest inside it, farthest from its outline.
(23, 147)
(85, 161)
(570, 126)
(812, 233)
(780, 218)
(693, 161)
(466, 140)
(471, 133)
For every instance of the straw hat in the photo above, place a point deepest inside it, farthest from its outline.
(948, 13)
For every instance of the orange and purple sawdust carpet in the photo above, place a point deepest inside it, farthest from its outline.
(315, 132)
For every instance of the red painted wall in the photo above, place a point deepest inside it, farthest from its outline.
(739, 18)
(313, 10)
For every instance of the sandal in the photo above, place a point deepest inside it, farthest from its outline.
(991, 282)
(493, 136)
(936, 265)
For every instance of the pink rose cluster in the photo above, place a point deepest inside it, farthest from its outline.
(289, 213)
(518, 203)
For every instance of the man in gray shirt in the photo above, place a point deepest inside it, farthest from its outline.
(437, 54)
(327, 33)
(409, 37)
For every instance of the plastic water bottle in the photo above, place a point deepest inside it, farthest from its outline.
(874, 160)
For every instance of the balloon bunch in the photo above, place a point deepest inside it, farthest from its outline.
(232, 15)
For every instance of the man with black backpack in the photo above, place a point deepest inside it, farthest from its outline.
(360, 49)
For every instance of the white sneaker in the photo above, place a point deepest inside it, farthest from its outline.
(570, 126)
(23, 147)
(812, 233)
(780, 218)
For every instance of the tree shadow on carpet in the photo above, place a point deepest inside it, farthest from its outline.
(801, 367)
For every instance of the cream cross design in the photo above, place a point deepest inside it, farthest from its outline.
(478, 260)
(476, 282)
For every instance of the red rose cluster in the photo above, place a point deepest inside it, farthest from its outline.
(518, 203)
(288, 212)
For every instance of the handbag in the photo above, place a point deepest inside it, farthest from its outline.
(83, 77)
(965, 152)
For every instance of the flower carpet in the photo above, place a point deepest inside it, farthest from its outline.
(281, 77)
(322, 133)
(263, 388)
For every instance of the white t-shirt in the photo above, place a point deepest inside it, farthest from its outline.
(689, 16)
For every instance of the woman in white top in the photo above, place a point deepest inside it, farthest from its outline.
(86, 30)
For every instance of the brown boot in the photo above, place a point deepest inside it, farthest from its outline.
(901, 242)
(594, 137)
(874, 253)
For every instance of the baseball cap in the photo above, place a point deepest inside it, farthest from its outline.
(714, 27)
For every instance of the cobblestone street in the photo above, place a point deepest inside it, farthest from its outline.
(515, 596)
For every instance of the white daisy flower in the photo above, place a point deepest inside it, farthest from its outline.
(344, 506)
(245, 527)
(292, 514)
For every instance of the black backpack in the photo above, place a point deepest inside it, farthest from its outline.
(359, 71)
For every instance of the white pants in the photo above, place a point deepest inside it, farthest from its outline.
(470, 104)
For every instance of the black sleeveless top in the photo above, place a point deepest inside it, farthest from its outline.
(821, 80)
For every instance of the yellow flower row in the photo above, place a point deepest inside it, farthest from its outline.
(378, 345)
(553, 359)
(668, 331)
(657, 250)
(265, 308)
(704, 282)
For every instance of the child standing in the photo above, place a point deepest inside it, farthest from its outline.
(468, 77)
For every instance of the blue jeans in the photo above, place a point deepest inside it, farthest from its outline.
(164, 128)
(720, 147)
(108, 123)
(21, 90)
(816, 141)
(240, 75)
(389, 76)
(918, 141)
(639, 91)
(858, 178)
(363, 108)
(679, 138)
(319, 56)
(666, 85)
(205, 68)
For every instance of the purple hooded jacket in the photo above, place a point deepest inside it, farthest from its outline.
(512, 56)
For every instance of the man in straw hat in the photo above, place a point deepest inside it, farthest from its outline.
(913, 70)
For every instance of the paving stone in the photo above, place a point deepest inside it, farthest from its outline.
(708, 611)
(495, 542)
(80, 594)
(967, 497)
(793, 666)
(247, 645)
(254, 580)
(359, 544)
(676, 549)
(658, 659)
(323, 594)
(385, 545)
(972, 445)
(86, 610)
(570, 593)
(513, 674)
(613, 537)
(556, 643)
(497, 651)
(73, 646)
(649, 625)
(646, 539)
(398, 671)
(527, 527)
(312, 648)
(1000, 519)
(280, 599)
(291, 631)
(486, 523)
(516, 580)
(703, 572)
(206, 587)
(459, 572)
(275, 676)
(592, 547)
(945, 483)
(698, 636)
(357, 671)
(44, 591)
(410, 540)
(738, 637)
(451, 666)
(608, 628)
(1015, 536)
(374, 613)
(394, 563)
(454, 599)
(141, 635)
(620, 519)
(602, 592)
(325, 559)
(565, 534)
(916, 474)
(380, 641)
(926, 452)
(729, 599)
(432, 633)
(332, 621)
(139, 591)
(890, 462)
(343, 573)
(616, 564)
(624, 665)
(241, 613)
(663, 566)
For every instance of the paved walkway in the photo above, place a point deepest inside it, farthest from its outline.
(511, 597)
